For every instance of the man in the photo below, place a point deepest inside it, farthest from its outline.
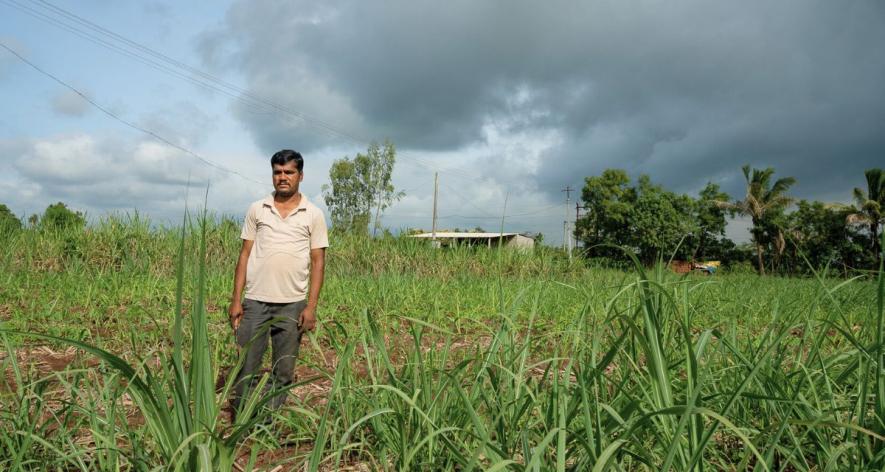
(284, 243)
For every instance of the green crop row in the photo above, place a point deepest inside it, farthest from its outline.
(462, 359)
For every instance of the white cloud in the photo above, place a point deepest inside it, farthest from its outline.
(98, 174)
(65, 160)
(183, 123)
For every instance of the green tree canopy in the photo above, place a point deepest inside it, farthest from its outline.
(59, 217)
(651, 221)
(608, 202)
(819, 237)
(646, 218)
(8, 220)
(660, 221)
(764, 200)
(710, 222)
(360, 185)
(870, 207)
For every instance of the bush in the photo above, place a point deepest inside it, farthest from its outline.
(58, 217)
(8, 220)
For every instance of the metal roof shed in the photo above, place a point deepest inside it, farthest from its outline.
(514, 240)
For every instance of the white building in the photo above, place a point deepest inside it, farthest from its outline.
(514, 240)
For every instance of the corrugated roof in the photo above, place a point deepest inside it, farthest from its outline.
(464, 235)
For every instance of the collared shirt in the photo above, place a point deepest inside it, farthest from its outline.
(278, 266)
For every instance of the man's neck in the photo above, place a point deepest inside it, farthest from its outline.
(295, 198)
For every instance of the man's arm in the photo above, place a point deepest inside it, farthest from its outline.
(235, 312)
(317, 272)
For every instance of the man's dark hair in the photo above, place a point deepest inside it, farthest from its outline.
(288, 155)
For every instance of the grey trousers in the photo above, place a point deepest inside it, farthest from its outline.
(279, 322)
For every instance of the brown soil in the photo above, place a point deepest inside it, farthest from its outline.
(44, 359)
(317, 364)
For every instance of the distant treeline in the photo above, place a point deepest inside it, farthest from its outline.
(56, 216)
(788, 236)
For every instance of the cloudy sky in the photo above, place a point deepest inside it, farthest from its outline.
(507, 100)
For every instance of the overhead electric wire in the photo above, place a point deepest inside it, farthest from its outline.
(472, 217)
(139, 58)
(506, 217)
(456, 193)
(124, 121)
(528, 214)
(241, 95)
(221, 83)
(550, 207)
(106, 38)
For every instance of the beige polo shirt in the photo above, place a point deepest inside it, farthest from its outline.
(278, 266)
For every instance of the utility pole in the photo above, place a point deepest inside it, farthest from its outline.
(566, 238)
(578, 209)
(377, 212)
(433, 241)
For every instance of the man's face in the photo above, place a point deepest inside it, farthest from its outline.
(286, 179)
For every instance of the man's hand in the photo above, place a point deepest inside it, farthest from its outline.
(235, 314)
(308, 319)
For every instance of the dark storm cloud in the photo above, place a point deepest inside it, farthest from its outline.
(684, 91)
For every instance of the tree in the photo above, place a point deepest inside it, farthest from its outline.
(870, 207)
(646, 218)
(660, 221)
(608, 200)
(8, 220)
(764, 199)
(710, 222)
(539, 239)
(360, 184)
(820, 237)
(58, 217)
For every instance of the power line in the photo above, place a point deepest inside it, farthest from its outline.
(467, 201)
(132, 55)
(516, 215)
(477, 218)
(498, 218)
(120, 44)
(139, 52)
(167, 64)
(531, 215)
(125, 122)
(537, 211)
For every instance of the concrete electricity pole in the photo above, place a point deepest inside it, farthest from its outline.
(566, 238)
(435, 193)
(578, 209)
(377, 213)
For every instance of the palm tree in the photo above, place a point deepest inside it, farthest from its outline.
(762, 198)
(870, 207)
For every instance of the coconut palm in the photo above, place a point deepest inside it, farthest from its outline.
(762, 198)
(870, 206)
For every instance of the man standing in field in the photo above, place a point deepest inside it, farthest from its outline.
(284, 244)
